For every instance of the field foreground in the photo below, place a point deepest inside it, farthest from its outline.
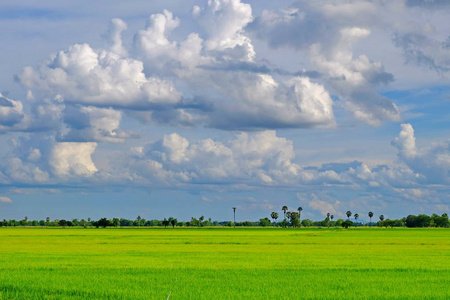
(224, 263)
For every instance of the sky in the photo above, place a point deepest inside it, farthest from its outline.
(189, 108)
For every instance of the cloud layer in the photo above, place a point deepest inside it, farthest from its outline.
(230, 95)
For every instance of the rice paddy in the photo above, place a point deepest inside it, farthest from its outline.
(224, 263)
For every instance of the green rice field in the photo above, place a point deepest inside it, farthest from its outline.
(224, 263)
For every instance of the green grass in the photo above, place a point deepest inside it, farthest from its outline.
(224, 263)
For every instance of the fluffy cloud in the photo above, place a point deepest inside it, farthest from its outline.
(261, 158)
(74, 159)
(12, 116)
(406, 142)
(326, 30)
(432, 164)
(87, 124)
(354, 79)
(242, 95)
(5, 200)
(83, 75)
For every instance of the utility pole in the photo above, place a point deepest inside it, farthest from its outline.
(234, 213)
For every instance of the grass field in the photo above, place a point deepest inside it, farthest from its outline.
(224, 263)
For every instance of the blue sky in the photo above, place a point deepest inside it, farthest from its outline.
(189, 108)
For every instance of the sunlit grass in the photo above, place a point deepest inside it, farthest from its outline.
(224, 263)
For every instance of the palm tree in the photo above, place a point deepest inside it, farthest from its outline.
(284, 209)
(349, 214)
(234, 218)
(370, 216)
(139, 220)
(332, 217)
(47, 221)
(381, 219)
(299, 209)
(289, 215)
(274, 216)
(328, 219)
(356, 218)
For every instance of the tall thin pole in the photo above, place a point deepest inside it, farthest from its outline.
(234, 218)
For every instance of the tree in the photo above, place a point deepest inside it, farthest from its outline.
(274, 216)
(47, 221)
(284, 223)
(165, 223)
(439, 221)
(327, 220)
(356, 218)
(174, 222)
(62, 223)
(138, 219)
(116, 222)
(295, 221)
(370, 216)
(299, 209)
(349, 214)
(306, 222)
(264, 222)
(347, 223)
(284, 209)
(288, 215)
(83, 223)
(381, 220)
(103, 222)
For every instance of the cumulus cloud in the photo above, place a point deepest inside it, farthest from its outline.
(243, 97)
(354, 80)
(406, 142)
(259, 158)
(432, 164)
(88, 123)
(326, 30)
(12, 116)
(70, 158)
(5, 200)
(83, 75)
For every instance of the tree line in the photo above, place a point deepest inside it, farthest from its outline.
(290, 219)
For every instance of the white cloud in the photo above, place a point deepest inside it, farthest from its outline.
(322, 206)
(5, 200)
(88, 123)
(223, 21)
(431, 163)
(71, 158)
(328, 31)
(98, 77)
(406, 142)
(261, 158)
(354, 79)
(12, 116)
(217, 70)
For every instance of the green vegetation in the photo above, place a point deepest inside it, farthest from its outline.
(224, 263)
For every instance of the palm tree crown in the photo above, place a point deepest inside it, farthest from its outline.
(370, 216)
(300, 209)
(284, 209)
(348, 213)
(274, 215)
